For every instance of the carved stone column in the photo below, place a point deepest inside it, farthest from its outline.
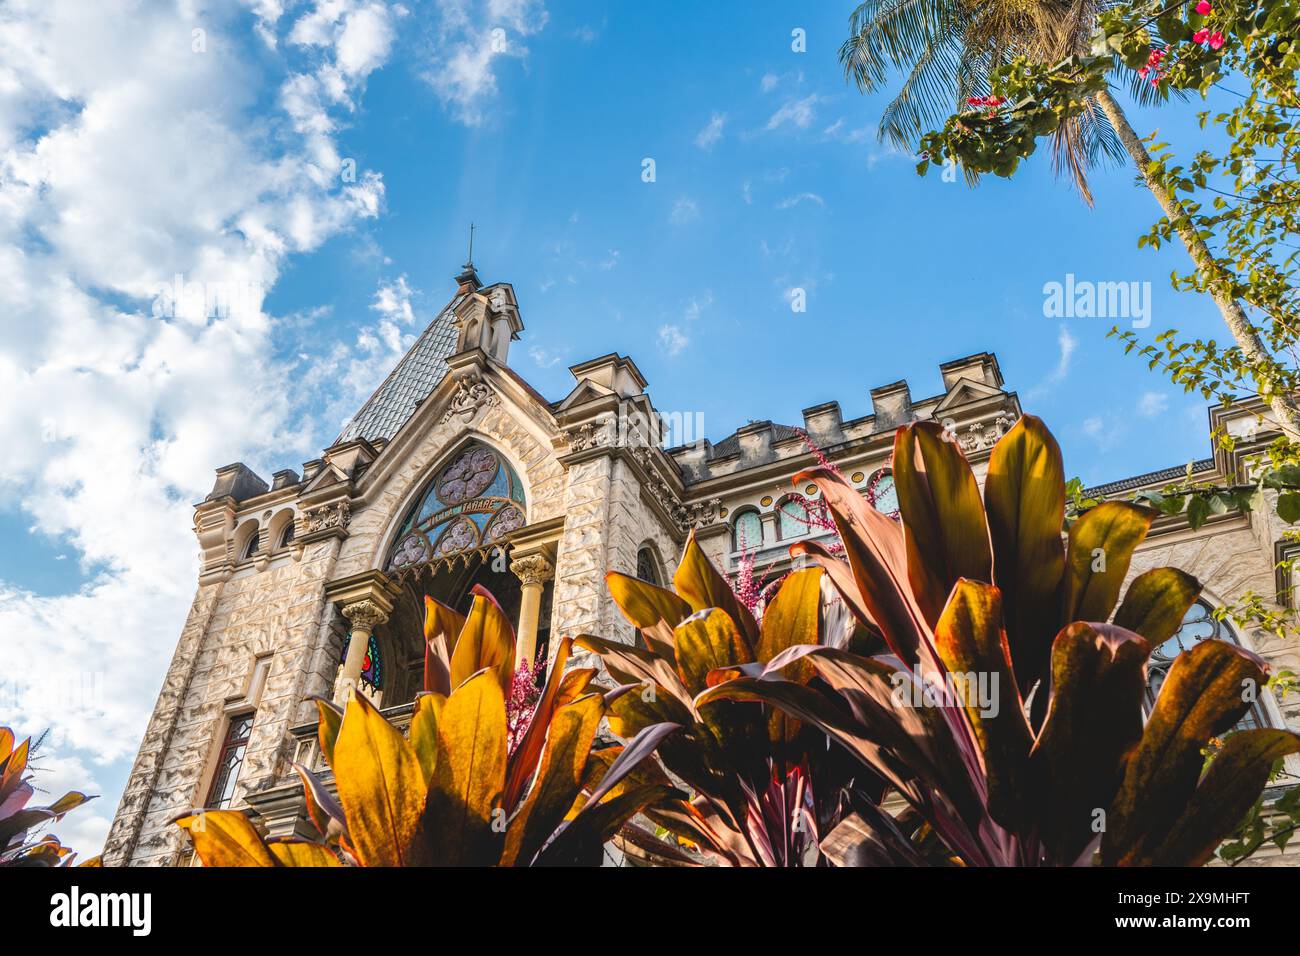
(366, 600)
(533, 571)
(364, 616)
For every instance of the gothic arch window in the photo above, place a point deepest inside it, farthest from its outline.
(747, 531)
(286, 536)
(1199, 624)
(470, 505)
(647, 565)
(793, 519)
(250, 547)
(881, 493)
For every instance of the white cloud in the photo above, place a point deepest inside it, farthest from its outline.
(1066, 345)
(1104, 432)
(128, 158)
(843, 133)
(769, 82)
(672, 339)
(545, 357)
(1152, 404)
(684, 210)
(798, 113)
(471, 36)
(697, 304)
(791, 201)
(712, 132)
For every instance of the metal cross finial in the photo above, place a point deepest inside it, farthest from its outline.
(469, 263)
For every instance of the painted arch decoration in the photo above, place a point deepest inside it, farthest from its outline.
(470, 505)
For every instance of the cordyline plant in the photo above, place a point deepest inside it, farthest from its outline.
(18, 820)
(455, 794)
(765, 785)
(969, 593)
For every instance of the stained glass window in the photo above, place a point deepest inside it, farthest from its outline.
(1199, 624)
(881, 493)
(747, 532)
(792, 519)
(229, 761)
(647, 568)
(372, 667)
(471, 505)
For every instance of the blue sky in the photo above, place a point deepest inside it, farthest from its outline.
(129, 155)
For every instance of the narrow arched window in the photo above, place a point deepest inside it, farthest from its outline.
(881, 493)
(747, 531)
(250, 548)
(647, 568)
(286, 536)
(793, 519)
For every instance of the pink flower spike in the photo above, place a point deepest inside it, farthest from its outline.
(1200, 36)
(1216, 40)
(1204, 8)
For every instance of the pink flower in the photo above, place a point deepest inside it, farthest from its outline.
(1144, 71)
(1216, 40)
(973, 101)
(1204, 8)
(1200, 36)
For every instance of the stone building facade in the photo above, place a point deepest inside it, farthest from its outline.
(457, 472)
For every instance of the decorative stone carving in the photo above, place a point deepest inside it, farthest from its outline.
(532, 569)
(983, 435)
(337, 515)
(472, 394)
(365, 614)
(685, 516)
(588, 435)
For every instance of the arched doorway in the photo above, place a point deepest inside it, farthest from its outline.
(453, 537)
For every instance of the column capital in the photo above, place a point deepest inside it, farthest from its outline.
(532, 569)
(365, 613)
(369, 589)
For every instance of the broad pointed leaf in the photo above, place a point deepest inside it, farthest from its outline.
(944, 527)
(1237, 775)
(559, 778)
(487, 640)
(1205, 693)
(654, 611)
(381, 788)
(1094, 718)
(973, 647)
(700, 584)
(1102, 542)
(1024, 495)
(707, 640)
(300, 853)
(226, 838)
(878, 556)
(1155, 603)
(469, 776)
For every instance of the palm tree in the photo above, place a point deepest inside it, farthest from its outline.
(947, 50)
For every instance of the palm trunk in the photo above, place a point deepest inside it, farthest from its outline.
(1283, 405)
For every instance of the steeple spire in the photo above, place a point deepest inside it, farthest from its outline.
(468, 280)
